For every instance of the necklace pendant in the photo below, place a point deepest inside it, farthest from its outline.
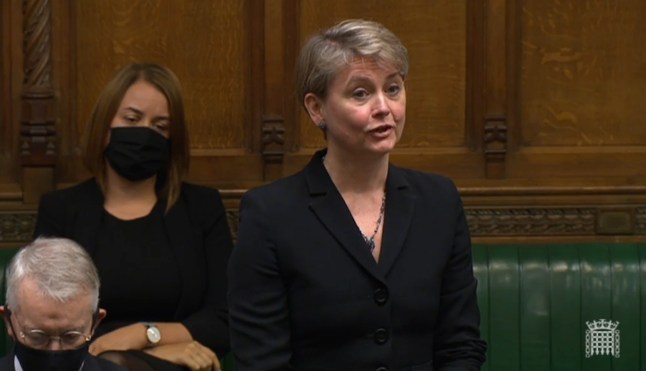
(371, 244)
(370, 241)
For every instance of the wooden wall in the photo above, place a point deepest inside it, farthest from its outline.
(534, 107)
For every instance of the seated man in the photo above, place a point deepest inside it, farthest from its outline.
(52, 308)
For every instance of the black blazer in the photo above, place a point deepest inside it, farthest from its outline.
(91, 364)
(198, 232)
(305, 292)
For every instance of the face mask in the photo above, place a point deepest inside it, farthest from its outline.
(50, 360)
(137, 153)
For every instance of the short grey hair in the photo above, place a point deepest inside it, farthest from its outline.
(61, 269)
(326, 53)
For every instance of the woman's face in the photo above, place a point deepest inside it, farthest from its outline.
(143, 105)
(365, 110)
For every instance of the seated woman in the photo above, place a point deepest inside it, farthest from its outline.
(161, 245)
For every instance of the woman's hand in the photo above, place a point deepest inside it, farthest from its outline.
(191, 354)
(124, 338)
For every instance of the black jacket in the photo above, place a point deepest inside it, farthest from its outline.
(305, 292)
(198, 232)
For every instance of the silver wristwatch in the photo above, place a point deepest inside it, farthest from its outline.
(152, 334)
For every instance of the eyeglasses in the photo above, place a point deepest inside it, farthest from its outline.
(40, 339)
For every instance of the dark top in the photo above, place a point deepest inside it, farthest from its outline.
(192, 241)
(306, 293)
(120, 242)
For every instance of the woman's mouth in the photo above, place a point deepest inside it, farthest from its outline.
(382, 129)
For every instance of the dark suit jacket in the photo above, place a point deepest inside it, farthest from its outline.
(198, 232)
(305, 292)
(91, 364)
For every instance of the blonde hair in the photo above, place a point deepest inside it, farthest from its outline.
(326, 53)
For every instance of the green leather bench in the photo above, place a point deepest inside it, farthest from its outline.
(563, 307)
(536, 303)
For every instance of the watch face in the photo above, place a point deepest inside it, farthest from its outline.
(153, 335)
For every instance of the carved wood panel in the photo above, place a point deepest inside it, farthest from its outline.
(435, 34)
(438, 132)
(581, 75)
(11, 83)
(207, 44)
(532, 106)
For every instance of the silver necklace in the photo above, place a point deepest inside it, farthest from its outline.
(370, 241)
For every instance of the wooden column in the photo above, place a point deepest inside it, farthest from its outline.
(277, 34)
(37, 123)
(495, 89)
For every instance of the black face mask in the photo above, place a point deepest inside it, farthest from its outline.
(50, 360)
(137, 153)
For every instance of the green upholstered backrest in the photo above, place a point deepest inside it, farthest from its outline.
(5, 257)
(536, 302)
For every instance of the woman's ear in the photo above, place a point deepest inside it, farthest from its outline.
(314, 107)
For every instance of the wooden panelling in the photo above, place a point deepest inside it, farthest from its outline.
(206, 44)
(436, 119)
(202, 42)
(582, 77)
(533, 107)
(10, 84)
(526, 224)
(435, 34)
(583, 73)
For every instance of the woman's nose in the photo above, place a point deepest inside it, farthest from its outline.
(146, 123)
(381, 105)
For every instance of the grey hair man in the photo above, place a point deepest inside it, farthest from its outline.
(51, 308)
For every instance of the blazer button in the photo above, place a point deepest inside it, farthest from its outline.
(381, 336)
(381, 295)
(381, 369)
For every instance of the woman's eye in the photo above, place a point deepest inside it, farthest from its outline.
(360, 94)
(162, 126)
(394, 89)
(131, 119)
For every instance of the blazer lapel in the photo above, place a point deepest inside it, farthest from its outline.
(331, 210)
(400, 207)
(184, 245)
